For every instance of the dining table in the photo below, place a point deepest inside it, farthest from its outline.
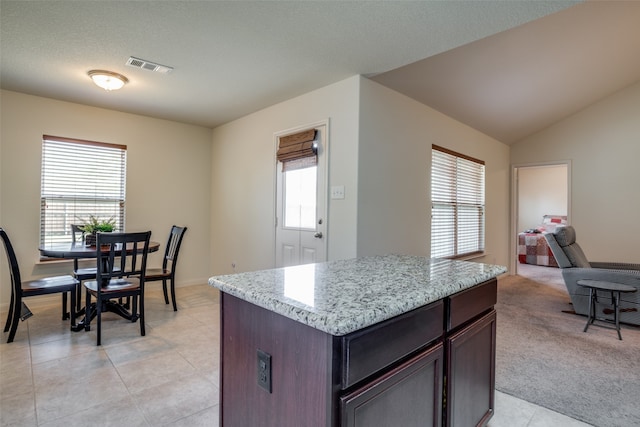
(81, 251)
(71, 250)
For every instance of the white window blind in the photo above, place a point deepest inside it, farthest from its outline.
(79, 179)
(457, 196)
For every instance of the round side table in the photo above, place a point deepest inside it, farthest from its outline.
(615, 288)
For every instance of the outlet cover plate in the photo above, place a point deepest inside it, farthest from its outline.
(264, 370)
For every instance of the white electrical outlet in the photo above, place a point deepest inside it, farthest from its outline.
(337, 192)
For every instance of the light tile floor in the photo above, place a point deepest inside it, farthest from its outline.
(50, 376)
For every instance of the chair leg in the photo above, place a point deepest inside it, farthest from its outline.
(10, 314)
(99, 320)
(65, 313)
(164, 290)
(87, 311)
(74, 305)
(173, 295)
(15, 318)
(134, 309)
(78, 301)
(142, 331)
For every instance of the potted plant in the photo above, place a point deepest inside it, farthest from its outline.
(95, 225)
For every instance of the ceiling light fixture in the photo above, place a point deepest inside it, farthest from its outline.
(108, 80)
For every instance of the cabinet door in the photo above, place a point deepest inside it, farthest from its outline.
(471, 373)
(409, 395)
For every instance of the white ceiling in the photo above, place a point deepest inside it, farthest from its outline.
(236, 57)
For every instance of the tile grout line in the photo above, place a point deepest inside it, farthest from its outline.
(33, 377)
(131, 397)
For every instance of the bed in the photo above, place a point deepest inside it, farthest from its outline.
(532, 246)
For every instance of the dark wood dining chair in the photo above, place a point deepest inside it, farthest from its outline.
(81, 274)
(119, 274)
(20, 290)
(168, 270)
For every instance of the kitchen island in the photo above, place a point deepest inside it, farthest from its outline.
(383, 340)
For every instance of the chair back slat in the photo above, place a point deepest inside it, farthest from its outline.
(117, 258)
(173, 246)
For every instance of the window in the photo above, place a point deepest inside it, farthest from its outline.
(300, 198)
(79, 179)
(299, 156)
(457, 197)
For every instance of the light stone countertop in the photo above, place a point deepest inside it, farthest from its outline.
(340, 297)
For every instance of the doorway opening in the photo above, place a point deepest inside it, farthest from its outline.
(537, 190)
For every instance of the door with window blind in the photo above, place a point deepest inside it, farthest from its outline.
(301, 196)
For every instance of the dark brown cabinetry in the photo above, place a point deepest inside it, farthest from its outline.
(470, 348)
(471, 373)
(431, 366)
(409, 395)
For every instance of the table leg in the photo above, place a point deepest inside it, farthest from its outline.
(592, 305)
(112, 306)
(87, 318)
(120, 310)
(615, 297)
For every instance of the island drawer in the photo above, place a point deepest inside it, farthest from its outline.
(470, 303)
(373, 349)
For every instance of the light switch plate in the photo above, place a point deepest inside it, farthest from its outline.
(337, 192)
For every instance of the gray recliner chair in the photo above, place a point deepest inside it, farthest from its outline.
(575, 266)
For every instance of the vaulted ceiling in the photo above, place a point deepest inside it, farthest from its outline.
(507, 69)
(517, 82)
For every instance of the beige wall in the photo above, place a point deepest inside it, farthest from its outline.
(220, 183)
(542, 190)
(394, 209)
(168, 178)
(603, 144)
(380, 145)
(244, 166)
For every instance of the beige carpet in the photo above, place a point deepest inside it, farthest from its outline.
(544, 357)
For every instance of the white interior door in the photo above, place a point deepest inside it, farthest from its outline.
(301, 235)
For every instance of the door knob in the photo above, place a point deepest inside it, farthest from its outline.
(318, 235)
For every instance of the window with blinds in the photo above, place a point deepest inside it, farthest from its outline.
(457, 196)
(79, 179)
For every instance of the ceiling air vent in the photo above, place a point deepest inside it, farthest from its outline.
(148, 65)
